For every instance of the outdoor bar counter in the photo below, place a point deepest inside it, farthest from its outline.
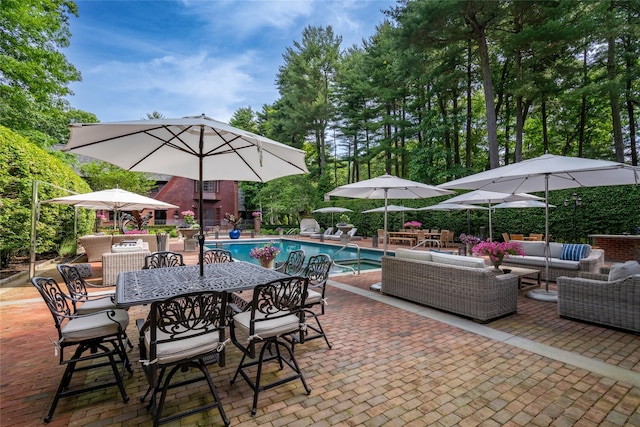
(618, 248)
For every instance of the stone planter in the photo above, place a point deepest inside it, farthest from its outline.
(257, 222)
(267, 263)
(190, 242)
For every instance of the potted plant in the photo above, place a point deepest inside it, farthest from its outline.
(496, 251)
(469, 241)
(344, 224)
(234, 220)
(265, 254)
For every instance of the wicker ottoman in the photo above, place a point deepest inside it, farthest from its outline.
(116, 263)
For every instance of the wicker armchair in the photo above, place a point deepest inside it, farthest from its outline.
(590, 297)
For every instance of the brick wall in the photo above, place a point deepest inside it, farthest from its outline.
(618, 248)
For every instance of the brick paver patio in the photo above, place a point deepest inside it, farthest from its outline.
(390, 365)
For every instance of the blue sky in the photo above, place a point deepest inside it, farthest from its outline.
(189, 57)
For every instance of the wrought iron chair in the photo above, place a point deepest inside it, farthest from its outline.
(294, 263)
(82, 302)
(179, 334)
(163, 259)
(317, 272)
(100, 334)
(216, 256)
(275, 311)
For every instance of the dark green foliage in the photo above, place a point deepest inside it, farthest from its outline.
(22, 163)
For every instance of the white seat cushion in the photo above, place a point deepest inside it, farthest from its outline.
(94, 326)
(94, 305)
(183, 349)
(313, 297)
(267, 328)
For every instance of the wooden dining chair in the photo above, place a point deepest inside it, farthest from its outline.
(505, 237)
(517, 236)
(535, 236)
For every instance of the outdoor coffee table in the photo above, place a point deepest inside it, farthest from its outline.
(146, 286)
(523, 272)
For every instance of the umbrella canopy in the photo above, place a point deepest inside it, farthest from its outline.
(489, 197)
(452, 207)
(390, 208)
(545, 173)
(523, 204)
(388, 187)
(114, 199)
(332, 210)
(198, 147)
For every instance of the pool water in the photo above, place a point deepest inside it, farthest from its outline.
(369, 258)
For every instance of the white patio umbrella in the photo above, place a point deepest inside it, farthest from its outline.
(332, 210)
(523, 204)
(444, 206)
(545, 173)
(391, 208)
(387, 187)
(114, 199)
(489, 197)
(198, 148)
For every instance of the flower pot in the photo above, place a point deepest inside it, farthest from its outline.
(267, 263)
(234, 234)
(257, 222)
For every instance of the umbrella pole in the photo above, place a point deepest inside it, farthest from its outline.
(200, 205)
(490, 227)
(546, 294)
(385, 222)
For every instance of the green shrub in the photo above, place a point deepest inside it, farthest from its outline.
(21, 164)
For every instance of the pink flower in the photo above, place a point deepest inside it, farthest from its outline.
(496, 251)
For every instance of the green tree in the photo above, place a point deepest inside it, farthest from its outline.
(104, 176)
(35, 75)
(305, 83)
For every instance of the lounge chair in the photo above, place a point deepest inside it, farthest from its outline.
(335, 236)
(309, 226)
(326, 233)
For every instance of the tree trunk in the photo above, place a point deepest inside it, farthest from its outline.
(487, 81)
(615, 100)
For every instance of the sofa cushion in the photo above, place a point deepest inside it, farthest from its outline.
(462, 261)
(573, 252)
(533, 248)
(409, 254)
(623, 270)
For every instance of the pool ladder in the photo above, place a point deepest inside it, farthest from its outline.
(348, 245)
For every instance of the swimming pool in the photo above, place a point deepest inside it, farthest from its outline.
(369, 258)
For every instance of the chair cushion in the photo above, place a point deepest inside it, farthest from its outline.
(94, 326)
(623, 270)
(84, 269)
(313, 297)
(573, 252)
(94, 305)
(267, 328)
(183, 349)
(462, 261)
(409, 254)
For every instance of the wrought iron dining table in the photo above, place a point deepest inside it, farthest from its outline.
(146, 286)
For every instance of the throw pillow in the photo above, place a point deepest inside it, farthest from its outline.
(573, 252)
(622, 271)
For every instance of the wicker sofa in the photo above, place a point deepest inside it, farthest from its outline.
(467, 288)
(535, 258)
(97, 244)
(591, 297)
(116, 263)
